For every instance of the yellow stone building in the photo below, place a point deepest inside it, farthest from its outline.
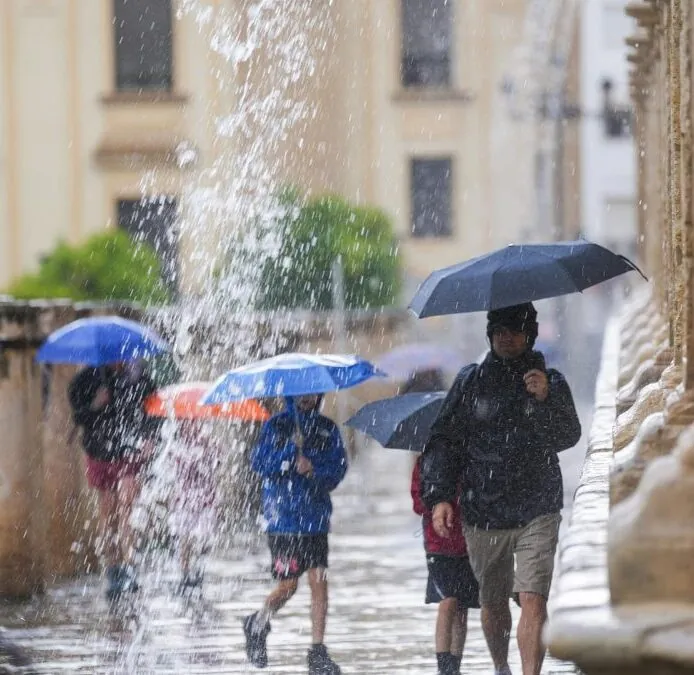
(104, 103)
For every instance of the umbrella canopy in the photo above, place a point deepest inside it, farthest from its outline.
(401, 422)
(517, 274)
(401, 362)
(98, 341)
(182, 401)
(291, 375)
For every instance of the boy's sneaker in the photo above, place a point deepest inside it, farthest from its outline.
(447, 664)
(319, 663)
(256, 641)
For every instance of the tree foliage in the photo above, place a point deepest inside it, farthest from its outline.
(107, 266)
(313, 234)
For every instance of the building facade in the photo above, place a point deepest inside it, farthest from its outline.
(608, 157)
(111, 112)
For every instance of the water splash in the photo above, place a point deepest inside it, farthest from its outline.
(232, 217)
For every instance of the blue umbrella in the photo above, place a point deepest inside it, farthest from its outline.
(290, 375)
(401, 422)
(517, 274)
(98, 341)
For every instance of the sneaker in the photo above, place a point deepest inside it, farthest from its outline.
(113, 584)
(121, 579)
(503, 671)
(128, 579)
(319, 663)
(189, 582)
(256, 641)
(447, 664)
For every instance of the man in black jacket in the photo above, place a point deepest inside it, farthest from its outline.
(499, 432)
(117, 437)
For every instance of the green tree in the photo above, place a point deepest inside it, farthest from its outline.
(313, 234)
(107, 266)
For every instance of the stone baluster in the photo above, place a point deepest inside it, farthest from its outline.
(648, 372)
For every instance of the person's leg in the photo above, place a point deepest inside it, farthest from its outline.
(459, 633)
(277, 599)
(108, 526)
(491, 557)
(533, 617)
(318, 583)
(128, 490)
(496, 626)
(314, 557)
(186, 555)
(445, 623)
(256, 627)
(535, 548)
(468, 596)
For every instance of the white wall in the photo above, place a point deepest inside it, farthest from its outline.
(608, 180)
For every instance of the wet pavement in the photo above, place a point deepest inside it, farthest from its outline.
(378, 622)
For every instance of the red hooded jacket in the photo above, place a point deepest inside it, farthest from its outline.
(455, 544)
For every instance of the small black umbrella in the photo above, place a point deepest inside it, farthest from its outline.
(401, 422)
(517, 274)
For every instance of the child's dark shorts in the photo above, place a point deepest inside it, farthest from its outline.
(291, 555)
(452, 577)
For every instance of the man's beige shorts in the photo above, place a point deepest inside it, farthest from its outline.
(492, 552)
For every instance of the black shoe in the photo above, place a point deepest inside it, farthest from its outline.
(121, 579)
(319, 663)
(190, 581)
(256, 641)
(447, 664)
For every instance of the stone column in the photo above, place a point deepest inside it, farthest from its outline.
(22, 526)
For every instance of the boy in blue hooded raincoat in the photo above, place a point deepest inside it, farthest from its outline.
(302, 459)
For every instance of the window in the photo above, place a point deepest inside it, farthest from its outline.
(616, 118)
(153, 221)
(144, 44)
(431, 197)
(426, 43)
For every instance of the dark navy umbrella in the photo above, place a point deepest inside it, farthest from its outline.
(401, 422)
(517, 274)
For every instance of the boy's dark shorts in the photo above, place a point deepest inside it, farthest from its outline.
(291, 555)
(452, 577)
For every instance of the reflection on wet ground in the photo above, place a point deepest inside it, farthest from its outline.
(378, 621)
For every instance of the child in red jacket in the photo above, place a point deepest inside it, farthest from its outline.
(451, 582)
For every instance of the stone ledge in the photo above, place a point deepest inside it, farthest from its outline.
(580, 613)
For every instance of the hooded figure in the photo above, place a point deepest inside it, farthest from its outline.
(498, 434)
(497, 437)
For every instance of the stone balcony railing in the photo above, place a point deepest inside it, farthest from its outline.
(610, 612)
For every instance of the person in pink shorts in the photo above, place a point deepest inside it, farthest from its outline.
(118, 439)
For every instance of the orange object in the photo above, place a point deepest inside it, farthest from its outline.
(182, 401)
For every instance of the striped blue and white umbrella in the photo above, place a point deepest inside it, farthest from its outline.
(291, 374)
